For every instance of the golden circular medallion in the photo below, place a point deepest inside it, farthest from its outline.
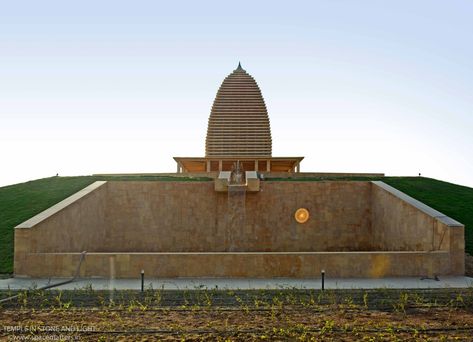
(301, 215)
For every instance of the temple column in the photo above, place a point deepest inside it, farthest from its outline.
(220, 165)
(298, 167)
(208, 165)
(256, 165)
(268, 165)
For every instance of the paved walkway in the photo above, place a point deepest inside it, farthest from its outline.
(242, 283)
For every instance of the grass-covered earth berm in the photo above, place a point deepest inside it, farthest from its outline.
(227, 315)
(20, 202)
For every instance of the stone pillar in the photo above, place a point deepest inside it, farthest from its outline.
(268, 165)
(256, 165)
(298, 167)
(220, 165)
(208, 165)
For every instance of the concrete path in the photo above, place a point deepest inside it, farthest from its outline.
(242, 284)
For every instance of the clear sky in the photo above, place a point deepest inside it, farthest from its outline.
(122, 86)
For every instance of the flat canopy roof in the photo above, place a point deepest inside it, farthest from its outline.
(251, 163)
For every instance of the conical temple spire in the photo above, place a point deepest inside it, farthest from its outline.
(238, 122)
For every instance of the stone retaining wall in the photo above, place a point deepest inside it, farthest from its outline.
(371, 228)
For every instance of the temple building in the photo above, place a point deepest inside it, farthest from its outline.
(238, 130)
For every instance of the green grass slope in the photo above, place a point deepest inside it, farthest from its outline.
(20, 202)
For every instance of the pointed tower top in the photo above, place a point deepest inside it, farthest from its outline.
(239, 68)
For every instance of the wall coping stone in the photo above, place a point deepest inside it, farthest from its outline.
(419, 205)
(214, 174)
(30, 223)
(244, 253)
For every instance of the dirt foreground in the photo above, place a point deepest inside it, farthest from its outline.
(210, 315)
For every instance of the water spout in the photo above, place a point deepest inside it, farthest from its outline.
(237, 175)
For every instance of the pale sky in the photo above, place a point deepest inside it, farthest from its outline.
(123, 86)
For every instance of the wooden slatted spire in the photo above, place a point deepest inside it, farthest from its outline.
(238, 122)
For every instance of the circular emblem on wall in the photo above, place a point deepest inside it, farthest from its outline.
(302, 215)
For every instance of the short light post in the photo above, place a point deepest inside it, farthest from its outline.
(142, 280)
(322, 273)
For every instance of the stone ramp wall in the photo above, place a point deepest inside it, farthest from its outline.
(402, 223)
(74, 224)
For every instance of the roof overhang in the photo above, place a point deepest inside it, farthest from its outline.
(249, 163)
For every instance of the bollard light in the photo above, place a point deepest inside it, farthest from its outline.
(322, 273)
(142, 280)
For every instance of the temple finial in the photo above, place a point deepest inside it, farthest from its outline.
(239, 66)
